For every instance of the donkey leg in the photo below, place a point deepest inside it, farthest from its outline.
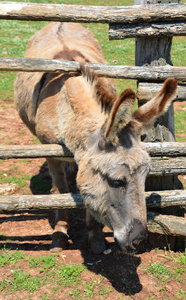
(59, 217)
(95, 234)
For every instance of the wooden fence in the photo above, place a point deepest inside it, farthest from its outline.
(168, 158)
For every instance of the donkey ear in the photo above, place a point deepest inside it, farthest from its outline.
(120, 115)
(145, 116)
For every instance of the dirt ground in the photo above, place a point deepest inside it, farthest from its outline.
(125, 275)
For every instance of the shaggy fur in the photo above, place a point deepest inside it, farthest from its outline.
(84, 113)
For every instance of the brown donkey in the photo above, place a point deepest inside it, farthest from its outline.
(85, 114)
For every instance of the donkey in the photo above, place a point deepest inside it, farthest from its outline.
(84, 113)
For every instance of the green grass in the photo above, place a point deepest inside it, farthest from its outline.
(165, 274)
(44, 262)
(50, 272)
(10, 258)
(160, 271)
(21, 272)
(20, 181)
(180, 125)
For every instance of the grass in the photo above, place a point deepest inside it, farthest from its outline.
(10, 258)
(21, 272)
(180, 125)
(20, 181)
(50, 272)
(166, 273)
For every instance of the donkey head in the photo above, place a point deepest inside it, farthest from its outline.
(112, 174)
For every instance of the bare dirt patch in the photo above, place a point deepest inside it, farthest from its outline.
(122, 276)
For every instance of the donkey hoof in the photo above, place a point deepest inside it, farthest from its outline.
(59, 241)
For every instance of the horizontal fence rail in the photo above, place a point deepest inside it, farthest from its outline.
(168, 149)
(95, 14)
(147, 91)
(171, 162)
(166, 224)
(121, 31)
(12, 203)
(162, 224)
(113, 71)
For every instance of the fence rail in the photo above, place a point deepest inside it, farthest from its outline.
(162, 224)
(121, 31)
(168, 149)
(95, 14)
(126, 72)
(146, 91)
(12, 203)
(173, 164)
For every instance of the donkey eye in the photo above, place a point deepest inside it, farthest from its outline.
(116, 183)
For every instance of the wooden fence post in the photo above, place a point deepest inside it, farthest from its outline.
(155, 51)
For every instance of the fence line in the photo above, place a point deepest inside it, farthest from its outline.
(162, 224)
(168, 149)
(126, 72)
(11, 203)
(122, 31)
(95, 14)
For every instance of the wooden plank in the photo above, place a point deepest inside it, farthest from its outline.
(122, 31)
(17, 203)
(168, 166)
(164, 199)
(168, 149)
(35, 151)
(40, 202)
(147, 91)
(95, 14)
(142, 73)
(162, 224)
(166, 224)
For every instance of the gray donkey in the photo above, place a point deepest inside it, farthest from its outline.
(84, 113)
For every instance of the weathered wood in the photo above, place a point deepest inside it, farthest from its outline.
(168, 166)
(40, 202)
(147, 91)
(97, 14)
(14, 203)
(163, 199)
(122, 31)
(156, 51)
(35, 151)
(169, 149)
(142, 73)
(167, 225)
(38, 151)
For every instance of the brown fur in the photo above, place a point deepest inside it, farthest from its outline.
(84, 113)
